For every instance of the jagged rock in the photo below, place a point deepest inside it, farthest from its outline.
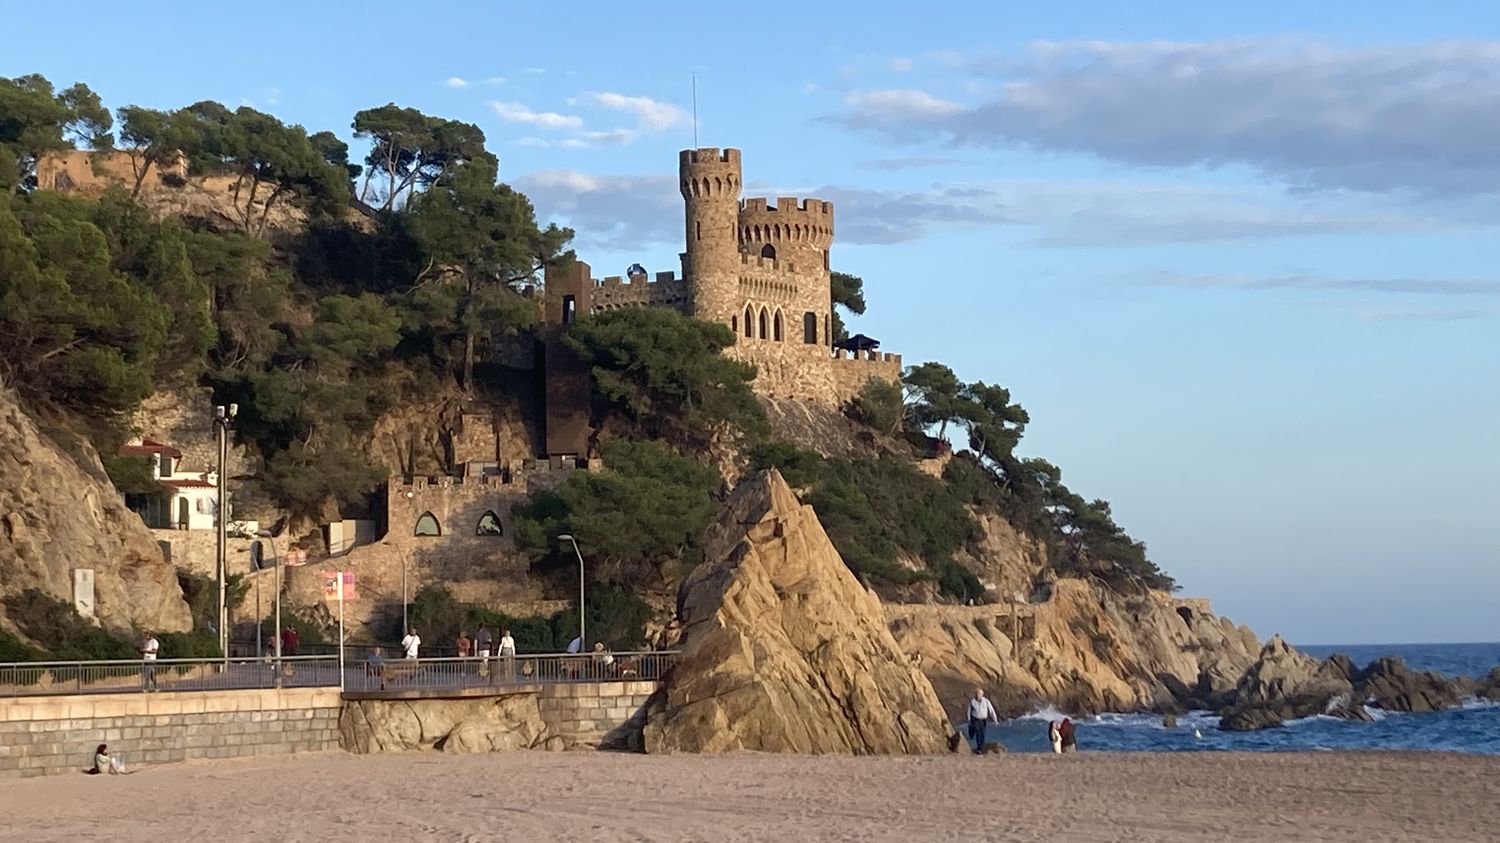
(58, 517)
(489, 724)
(1389, 684)
(1489, 686)
(783, 650)
(1284, 684)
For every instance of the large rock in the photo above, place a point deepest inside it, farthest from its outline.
(56, 517)
(783, 650)
(1389, 684)
(487, 724)
(1285, 684)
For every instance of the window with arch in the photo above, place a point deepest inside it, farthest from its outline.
(489, 525)
(810, 328)
(749, 322)
(768, 251)
(734, 324)
(776, 332)
(763, 324)
(427, 525)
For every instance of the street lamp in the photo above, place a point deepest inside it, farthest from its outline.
(223, 418)
(583, 644)
(276, 560)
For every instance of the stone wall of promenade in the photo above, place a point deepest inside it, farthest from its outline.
(42, 736)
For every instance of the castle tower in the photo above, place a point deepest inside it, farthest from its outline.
(710, 183)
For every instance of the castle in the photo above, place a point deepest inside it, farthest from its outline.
(760, 269)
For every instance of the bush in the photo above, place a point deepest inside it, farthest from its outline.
(616, 617)
(63, 635)
(13, 649)
(955, 580)
(798, 466)
(202, 596)
(201, 644)
(879, 406)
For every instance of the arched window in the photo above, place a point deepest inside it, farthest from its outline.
(489, 525)
(427, 525)
(768, 251)
(763, 326)
(734, 324)
(749, 322)
(810, 328)
(776, 327)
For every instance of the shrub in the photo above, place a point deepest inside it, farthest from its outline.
(955, 580)
(878, 406)
(799, 466)
(13, 649)
(616, 617)
(64, 635)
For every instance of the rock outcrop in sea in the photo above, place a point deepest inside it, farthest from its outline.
(56, 517)
(783, 650)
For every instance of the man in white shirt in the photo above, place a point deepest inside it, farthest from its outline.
(507, 651)
(981, 715)
(149, 648)
(411, 643)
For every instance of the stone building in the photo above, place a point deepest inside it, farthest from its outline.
(91, 172)
(761, 269)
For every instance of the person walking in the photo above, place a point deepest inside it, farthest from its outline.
(411, 644)
(1054, 736)
(148, 650)
(463, 644)
(508, 653)
(1069, 733)
(981, 715)
(482, 642)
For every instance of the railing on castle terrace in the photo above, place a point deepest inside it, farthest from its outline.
(362, 673)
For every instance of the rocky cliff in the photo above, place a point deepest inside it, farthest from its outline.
(783, 650)
(56, 517)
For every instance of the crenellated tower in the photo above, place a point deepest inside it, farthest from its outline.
(710, 183)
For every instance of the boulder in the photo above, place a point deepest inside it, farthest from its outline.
(59, 513)
(1389, 684)
(783, 650)
(1285, 684)
(488, 724)
(1489, 686)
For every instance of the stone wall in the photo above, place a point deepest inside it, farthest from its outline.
(53, 735)
(604, 715)
(197, 551)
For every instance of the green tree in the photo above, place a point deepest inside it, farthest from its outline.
(995, 424)
(411, 150)
(664, 374)
(880, 406)
(848, 292)
(935, 397)
(35, 120)
(481, 240)
(647, 507)
(152, 138)
(352, 332)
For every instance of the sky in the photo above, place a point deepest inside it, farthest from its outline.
(1239, 262)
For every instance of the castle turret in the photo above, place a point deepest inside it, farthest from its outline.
(792, 230)
(710, 182)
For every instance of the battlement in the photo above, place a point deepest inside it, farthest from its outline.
(707, 155)
(614, 292)
(883, 358)
(772, 265)
(786, 204)
(790, 223)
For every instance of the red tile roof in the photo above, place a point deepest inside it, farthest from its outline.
(188, 484)
(150, 446)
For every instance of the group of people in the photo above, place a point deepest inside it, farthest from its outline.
(1061, 734)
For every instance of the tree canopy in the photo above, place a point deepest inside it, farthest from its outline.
(36, 119)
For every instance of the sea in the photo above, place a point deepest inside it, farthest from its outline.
(1472, 728)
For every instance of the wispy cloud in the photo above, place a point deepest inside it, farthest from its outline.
(1417, 117)
(1410, 286)
(514, 112)
(651, 114)
(911, 163)
(1420, 314)
(901, 65)
(461, 82)
(457, 82)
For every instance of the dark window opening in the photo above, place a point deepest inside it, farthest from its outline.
(810, 328)
(697, 231)
(825, 258)
(763, 332)
(776, 327)
(489, 525)
(749, 322)
(734, 324)
(768, 251)
(570, 305)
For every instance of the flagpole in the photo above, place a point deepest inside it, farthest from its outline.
(695, 110)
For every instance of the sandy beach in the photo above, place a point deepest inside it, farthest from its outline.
(602, 797)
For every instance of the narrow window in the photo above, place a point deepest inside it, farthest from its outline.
(697, 231)
(427, 525)
(768, 251)
(825, 258)
(734, 324)
(489, 525)
(810, 328)
(763, 332)
(776, 327)
(570, 303)
(749, 322)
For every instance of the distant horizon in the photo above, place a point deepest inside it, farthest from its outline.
(1239, 264)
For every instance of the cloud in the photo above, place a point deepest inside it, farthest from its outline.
(879, 217)
(457, 82)
(1421, 117)
(609, 211)
(900, 65)
(1420, 314)
(911, 163)
(535, 70)
(1409, 286)
(652, 115)
(514, 112)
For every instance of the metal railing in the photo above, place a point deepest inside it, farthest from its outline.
(367, 672)
(29, 679)
(363, 671)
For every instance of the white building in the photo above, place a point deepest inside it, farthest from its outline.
(187, 500)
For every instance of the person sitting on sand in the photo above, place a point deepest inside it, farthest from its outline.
(1054, 736)
(1069, 734)
(106, 763)
(981, 714)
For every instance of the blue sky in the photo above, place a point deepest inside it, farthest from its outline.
(1239, 261)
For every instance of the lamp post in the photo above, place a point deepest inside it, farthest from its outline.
(276, 558)
(583, 644)
(223, 418)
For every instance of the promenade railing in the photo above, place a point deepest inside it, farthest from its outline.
(26, 679)
(363, 671)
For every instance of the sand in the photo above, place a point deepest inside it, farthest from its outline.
(601, 797)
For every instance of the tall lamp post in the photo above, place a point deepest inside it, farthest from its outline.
(276, 560)
(583, 644)
(223, 418)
